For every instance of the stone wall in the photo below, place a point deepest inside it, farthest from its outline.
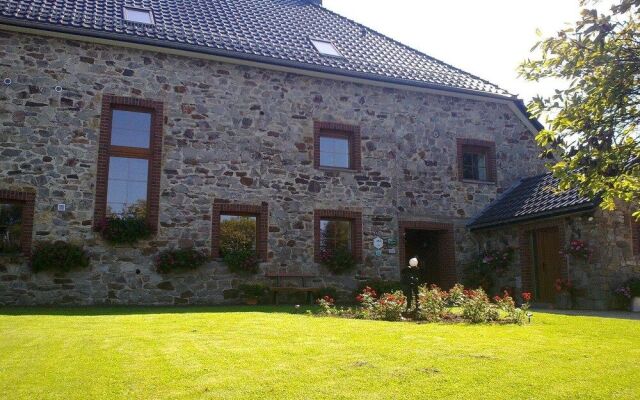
(608, 234)
(237, 133)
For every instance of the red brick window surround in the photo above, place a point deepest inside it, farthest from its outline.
(476, 160)
(129, 158)
(222, 208)
(355, 220)
(336, 146)
(26, 207)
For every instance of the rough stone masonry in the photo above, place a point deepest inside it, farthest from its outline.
(241, 134)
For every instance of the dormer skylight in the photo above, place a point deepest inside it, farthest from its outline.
(138, 15)
(326, 48)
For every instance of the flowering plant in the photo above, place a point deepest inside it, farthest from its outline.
(181, 259)
(579, 249)
(338, 261)
(629, 289)
(432, 304)
(498, 260)
(563, 285)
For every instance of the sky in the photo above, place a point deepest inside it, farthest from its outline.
(488, 38)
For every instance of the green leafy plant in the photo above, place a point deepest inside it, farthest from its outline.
(242, 261)
(124, 229)
(379, 286)
(253, 291)
(477, 308)
(179, 260)
(330, 291)
(58, 256)
(432, 303)
(338, 261)
(592, 140)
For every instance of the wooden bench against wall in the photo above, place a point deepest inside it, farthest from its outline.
(282, 284)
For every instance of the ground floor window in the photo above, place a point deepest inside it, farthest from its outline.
(16, 222)
(10, 227)
(337, 230)
(239, 227)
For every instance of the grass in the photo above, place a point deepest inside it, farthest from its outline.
(271, 352)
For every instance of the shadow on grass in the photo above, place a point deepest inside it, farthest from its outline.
(592, 313)
(140, 310)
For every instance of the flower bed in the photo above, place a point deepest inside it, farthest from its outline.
(435, 305)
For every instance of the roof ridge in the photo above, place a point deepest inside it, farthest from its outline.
(414, 50)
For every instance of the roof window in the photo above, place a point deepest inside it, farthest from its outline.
(326, 48)
(138, 15)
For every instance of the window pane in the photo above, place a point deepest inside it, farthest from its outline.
(133, 15)
(334, 152)
(130, 128)
(127, 186)
(335, 234)
(237, 233)
(482, 167)
(327, 48)
(10, 227)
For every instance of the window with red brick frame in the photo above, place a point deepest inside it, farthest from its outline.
(355, 220)
(222, 208)
(476, 160)
(336, 146)
(25, 202)
(129, 158)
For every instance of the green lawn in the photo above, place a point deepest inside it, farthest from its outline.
(268, 352)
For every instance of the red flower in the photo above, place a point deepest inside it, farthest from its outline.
(328, 299)
(526, 296)
(496, 298)
(359, 298)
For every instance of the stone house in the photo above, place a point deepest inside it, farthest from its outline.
(321, 131)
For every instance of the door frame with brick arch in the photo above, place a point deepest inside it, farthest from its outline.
(447, 275)
(530, 247)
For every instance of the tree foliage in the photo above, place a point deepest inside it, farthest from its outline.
(593, 138)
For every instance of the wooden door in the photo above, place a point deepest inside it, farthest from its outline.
(547, 263)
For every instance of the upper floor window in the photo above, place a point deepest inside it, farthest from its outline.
(335, 151)
(129, 159)
(476, 160)
(138, 15)
(337, 146)
(326, 48)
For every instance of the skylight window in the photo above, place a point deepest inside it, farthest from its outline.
(138, 15)
(326, 48)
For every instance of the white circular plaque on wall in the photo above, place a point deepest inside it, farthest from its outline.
(378, 243)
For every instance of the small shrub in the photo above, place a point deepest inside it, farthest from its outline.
(455, 296)
(58, 256)
(379, 286)
(124, 229)
(326, 291)
(253, 291)
(241, 261)
(477, 308)
(389, 306)
(338, 261)
(508, 306)
(432, 303)
(180, 260)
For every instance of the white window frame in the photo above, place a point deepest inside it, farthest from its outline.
(316, 42)
(126, 10)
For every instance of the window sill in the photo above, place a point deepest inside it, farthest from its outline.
(479, 182)
(337, 169)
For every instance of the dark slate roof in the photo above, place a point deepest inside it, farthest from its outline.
(531, 198)
(270, 31)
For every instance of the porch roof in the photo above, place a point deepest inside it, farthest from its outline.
(531, 198)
